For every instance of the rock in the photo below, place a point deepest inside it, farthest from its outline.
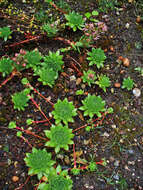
(126, 62)
(116, 163)
(15, 178)
(117, 85)
(136, 92)
(116, 177)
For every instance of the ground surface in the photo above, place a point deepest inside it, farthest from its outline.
(119, 140)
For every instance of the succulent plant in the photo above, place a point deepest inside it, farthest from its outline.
(103, 82)
(60, 137)
(89, 77)
(128, 83)
(33, 58)
(5, 33)
(54, 61)
(5, 66)
(96, 56)
(47, 76)
(57, 179)
(64, 111)
(20, 99)
(93, 104)
(74, 20)
(50, 29)
(39, 162)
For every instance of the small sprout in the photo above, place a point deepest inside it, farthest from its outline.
(88, 128)
(54, 61)
(47, 76)
(110, 110)
(96, 56)
(24, 81)
(33, 58)
(80, 92)
(5, 66)
(20, 99)
(29, 121)
(12, 125)
(74, 20)
(64, 111)
(19, 134)
(39, 162)
(89, 77)
(140, 70)
(5, 33)
(75, 171)
(92, 166)
(128, 83)
(50, 29)
(103, 82)
(60, 137)
(93, 105)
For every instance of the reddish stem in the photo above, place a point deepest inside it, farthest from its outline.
(23, 184)
(26, 141)
(57, 8)
(9, 78)
(39, 109)
(31, 133)
(40, 94)
(76, 69)
(24, 41)
(36, 122)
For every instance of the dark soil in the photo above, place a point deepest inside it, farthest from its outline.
(119, 140)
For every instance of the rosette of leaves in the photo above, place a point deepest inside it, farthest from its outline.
(74, 20)
(57, 180)
(20, 99)
(128, 83)
(47, 76)
(92, 105)
(50, 29)
(96, 56)
(89, 77)
(103, 82)
(5, 33)
(39, 162)
(33, 58)
(64, 111)
(5, 66)
(60, 137)
(54, 61)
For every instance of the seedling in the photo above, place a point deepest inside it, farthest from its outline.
(33, 58)
(74, 20)
(140, 70)
(93, 105)
(50, 29)
(96, 56)
(20, 99)
(128, 83)
(64, 111)
(47, 76)
(57, 180)
(39, 162)
(5, 33)
(54, 61)
(60, 137)
(103, 82)
(5, 66)
(89, 77)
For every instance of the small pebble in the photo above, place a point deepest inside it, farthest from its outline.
(116, 163)
(130, 151)
(136, 92)
(127, 25)
(126, 62)
(15, 178)
(117, 84)
(116, 177)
